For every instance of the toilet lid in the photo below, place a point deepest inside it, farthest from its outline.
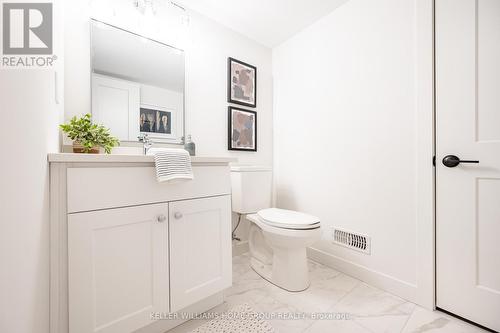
(283, 218)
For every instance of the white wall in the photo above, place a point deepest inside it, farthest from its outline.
(27, 104)
(161, 97)
(347, 135)
(31, 117)
(207, 45)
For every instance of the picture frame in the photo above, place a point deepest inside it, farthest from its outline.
(241, 83)
(157, 121)
(242, 129)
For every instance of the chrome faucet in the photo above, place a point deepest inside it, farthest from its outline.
(146, 142)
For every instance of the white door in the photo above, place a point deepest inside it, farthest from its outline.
(468, 127)
(116, 105)
(200, 249)
(118, 268)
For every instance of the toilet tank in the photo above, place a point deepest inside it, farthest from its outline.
(251, 188)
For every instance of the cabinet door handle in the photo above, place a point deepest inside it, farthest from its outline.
(178, 215)
(161, 218)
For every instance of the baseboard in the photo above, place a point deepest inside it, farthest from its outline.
(380, 280)
(239, 248)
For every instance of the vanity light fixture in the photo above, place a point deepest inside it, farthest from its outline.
(174, 22)
(148, 10)
(185, 16)
(146, 7)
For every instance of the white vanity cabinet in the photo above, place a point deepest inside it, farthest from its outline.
(125, 248)
(117, 268)
(200, 261)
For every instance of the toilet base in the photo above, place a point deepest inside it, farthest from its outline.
(295, 281)
(279, 254)
(264, 270)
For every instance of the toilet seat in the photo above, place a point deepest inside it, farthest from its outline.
(288, 219)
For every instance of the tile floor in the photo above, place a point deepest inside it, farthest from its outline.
(371, 310)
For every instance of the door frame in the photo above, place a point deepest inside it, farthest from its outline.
(425, 287)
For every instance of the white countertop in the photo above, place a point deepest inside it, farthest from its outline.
(121, 158)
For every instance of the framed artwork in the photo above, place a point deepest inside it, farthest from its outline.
(158, 122)
(241, 83)
(155, 121)
(242, 129)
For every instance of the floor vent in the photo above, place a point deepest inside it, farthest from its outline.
(351, 240)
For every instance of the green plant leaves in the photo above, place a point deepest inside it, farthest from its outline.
(89, 135)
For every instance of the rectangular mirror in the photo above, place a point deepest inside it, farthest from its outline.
(137, 85)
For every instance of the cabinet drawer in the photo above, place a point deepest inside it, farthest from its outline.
(110, 187)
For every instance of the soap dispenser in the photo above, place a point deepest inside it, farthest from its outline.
(190, 146)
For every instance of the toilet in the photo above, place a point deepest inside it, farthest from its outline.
(278, 238)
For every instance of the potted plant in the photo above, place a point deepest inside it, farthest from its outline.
(88, 137)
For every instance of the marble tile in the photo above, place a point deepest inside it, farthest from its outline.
(370, 310)
(320, 296)
(423, 320)
(320, 272)
(274, 310)
(336, 326)
(375, 310)
(195, 323)
(188, 326)
(246, 281)
(240, 265)
(365, 301)
(248, 287)
(383, 324)
(241, 259)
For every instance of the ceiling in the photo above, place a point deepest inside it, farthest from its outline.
(269, 22)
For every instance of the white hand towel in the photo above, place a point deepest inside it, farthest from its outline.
(172, 164)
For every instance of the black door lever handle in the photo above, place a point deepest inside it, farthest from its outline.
(452, 161)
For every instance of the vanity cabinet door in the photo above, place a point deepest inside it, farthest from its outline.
(200, 249)
(118, 268)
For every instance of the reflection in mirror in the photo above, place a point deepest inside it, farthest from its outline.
(137, 85)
